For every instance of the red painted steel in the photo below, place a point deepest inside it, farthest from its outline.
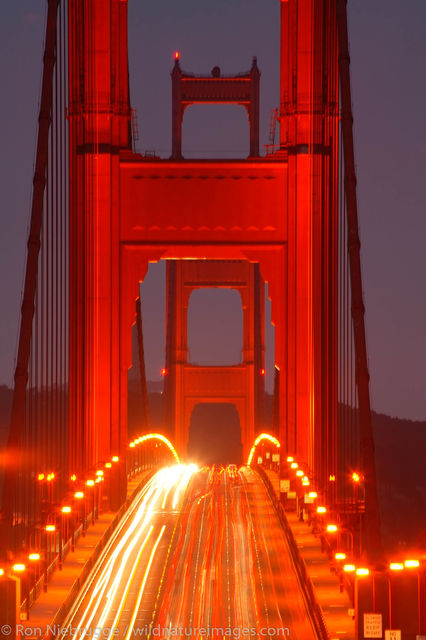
(99, 122)
(188, 89)
(188, 384)
(309, 137)
(279, 212)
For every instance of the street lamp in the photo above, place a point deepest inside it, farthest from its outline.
(20, 569)
(34, 559)
(63, 533)
(49, 529)
(411, 564)
(349, 568)
(132, 465)
(90, 484)
(415, 564)
(79, 495)
(332, 530)
(340, 557)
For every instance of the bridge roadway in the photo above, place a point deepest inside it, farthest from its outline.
(199, 554)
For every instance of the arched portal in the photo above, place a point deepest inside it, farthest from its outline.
(189, 383)
(215, 434)
(215, 131)
(215, 327)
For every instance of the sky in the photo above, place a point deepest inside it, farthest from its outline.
(388, 54)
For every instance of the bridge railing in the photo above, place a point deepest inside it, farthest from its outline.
(312, 605)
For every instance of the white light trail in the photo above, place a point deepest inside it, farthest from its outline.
(127, 552)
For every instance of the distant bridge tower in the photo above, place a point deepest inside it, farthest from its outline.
(188, 89)
(187, 383)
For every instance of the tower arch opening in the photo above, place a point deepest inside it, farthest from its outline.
(215, 327)
(215, 434)
(215, 131)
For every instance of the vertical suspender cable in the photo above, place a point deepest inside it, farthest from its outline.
(373, 545)
(54, 301)
(17, 426)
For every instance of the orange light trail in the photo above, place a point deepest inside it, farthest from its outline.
(161, 438)
(263, 436)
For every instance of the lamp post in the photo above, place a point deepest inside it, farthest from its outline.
(50, 531)
(332, 530)
(79, 496)
(65, 511)
(19, 570)
(132, 447)
(414, 565)
(34, 560)
(98, 493)
(91, 484)
(340, 558)
(405, 597)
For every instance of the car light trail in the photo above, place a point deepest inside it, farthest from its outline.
(189, 470)
(224, 568)
(126, 590)
(141, 590)
(225, 571)
(107, 601)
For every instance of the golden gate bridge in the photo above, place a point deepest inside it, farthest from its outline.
(195, 548)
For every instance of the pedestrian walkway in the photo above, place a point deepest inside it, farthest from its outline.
(48, 612)
(335, 606)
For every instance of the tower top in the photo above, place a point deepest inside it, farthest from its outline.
(216, 88)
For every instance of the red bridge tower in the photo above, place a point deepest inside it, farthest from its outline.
(275, 213)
